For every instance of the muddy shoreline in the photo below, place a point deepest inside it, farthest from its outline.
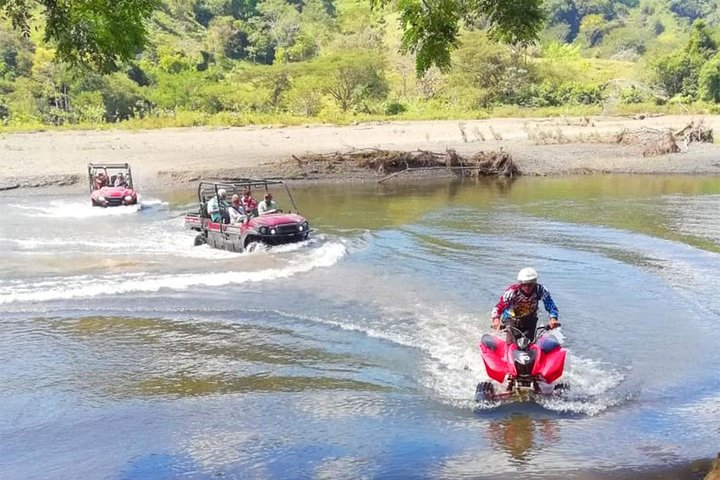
(168, 157)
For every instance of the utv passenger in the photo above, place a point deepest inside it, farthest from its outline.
(236, 210)
(120, 181)
(248, 202)
(100, 181)
(268, 205)
(217, 207)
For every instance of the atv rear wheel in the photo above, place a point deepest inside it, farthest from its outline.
(200, 239)
(484, 392)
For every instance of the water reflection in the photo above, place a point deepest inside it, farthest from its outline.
(187, 359)
(662, 206)
(523, 437)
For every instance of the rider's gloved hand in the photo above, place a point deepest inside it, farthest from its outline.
(495, 323)
(553, 323)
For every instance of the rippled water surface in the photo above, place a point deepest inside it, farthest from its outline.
(127, 353)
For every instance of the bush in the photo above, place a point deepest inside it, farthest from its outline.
(304, 98)
(4, 111)
(632, 95)
(121, 98)
(395, 108)
(552, 95)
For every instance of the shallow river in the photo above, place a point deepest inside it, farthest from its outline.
(127, 353)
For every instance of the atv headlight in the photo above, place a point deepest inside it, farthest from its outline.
(263, 230)
(301, 228)
(128, 198)
(273, 231)
(101, 198)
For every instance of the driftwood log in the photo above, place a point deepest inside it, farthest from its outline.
(391, 162)
(655, 141)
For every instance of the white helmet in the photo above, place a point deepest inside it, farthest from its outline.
(222, 193)
(527, 275)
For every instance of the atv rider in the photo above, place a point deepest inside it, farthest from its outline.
(519, 305)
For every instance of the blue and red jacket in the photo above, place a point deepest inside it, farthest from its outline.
(522, 304)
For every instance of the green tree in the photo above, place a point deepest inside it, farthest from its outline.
(97, 33)
(431, 28)
(709, 80)
(672, 73)
(691, 9)
(592, 29)
(228, 38)
(281, 22)
(701, 45)
(15, 55)
(679, 72)
(354, 78)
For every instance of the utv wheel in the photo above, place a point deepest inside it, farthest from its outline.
(251, 244)
(484, 392)
(200, 239)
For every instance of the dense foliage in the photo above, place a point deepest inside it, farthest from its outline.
(292, 61)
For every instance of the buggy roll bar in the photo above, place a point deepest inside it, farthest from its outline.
(92, 167)
(237, 186)
(108, 165)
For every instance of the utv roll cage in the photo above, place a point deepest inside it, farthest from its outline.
(93, 168)
(208, 189)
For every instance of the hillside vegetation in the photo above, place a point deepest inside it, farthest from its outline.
(237, 62)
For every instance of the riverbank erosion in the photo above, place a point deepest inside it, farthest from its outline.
(541, 146)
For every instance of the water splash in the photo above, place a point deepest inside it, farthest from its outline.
(73, 209)
(87, 286)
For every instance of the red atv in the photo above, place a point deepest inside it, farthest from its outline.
(111, 185)
(273, 228)
(524, 367)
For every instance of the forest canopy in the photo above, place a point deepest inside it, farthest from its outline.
(185, 62)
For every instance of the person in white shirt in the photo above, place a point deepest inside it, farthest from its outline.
(120, 181)
(236, 210)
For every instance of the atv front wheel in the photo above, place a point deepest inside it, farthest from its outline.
(484, 392)
(561, 387)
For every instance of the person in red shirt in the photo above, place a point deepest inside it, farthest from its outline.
(248, 202)
(101, 181)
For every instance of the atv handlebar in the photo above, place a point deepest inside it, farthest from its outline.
(513, 326)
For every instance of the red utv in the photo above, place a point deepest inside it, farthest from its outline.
(103, 178)
(271, 228)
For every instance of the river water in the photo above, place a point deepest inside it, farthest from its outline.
(127, 353)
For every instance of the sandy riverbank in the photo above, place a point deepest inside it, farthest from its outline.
(549, 146)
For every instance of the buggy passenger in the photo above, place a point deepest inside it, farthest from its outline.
(268, 206)
(101, 181)
(217, 207)
(236, 210)
(120, 181)
(249, 203)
